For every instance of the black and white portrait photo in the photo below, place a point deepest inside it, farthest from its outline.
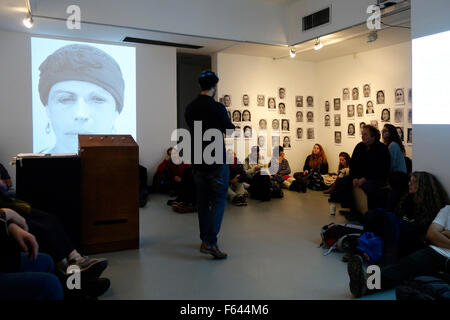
(410, 141)
(409, 116)
(299, 134)
(351, 111)
(351, 130)
(337, 104)
(310, 101)
(285, 125)
(361, 126)
(227, 100)
(327, 106)
(80, 88)
(360, 110)
(245, 100)
(281, 108)
(299, 101)
(399, 114)
(286, 142)
(271, 104)
(310, 116)
(260, 100)
(275, 124)
(386, 115)
(246, 116)
(299, 116)
(369, 108)
(310, 133)
(281, 93)
(237, 131)
(346, 94)
(236, 116)
(399, 96)
(400, 133)
(337, 120)
(275, 141)
(355, 94)
(374, 123)
(380, 97)
(338, 137)
(327, 120)
(263, 124)
(262, 142)
(247, 131)
(366, 91)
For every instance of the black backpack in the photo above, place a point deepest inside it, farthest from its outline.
(298, 185)
(423, 288)
(316, 181)
(261, 187)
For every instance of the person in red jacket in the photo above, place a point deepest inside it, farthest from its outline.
(169, 175)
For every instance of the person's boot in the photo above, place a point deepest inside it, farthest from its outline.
(212, 250)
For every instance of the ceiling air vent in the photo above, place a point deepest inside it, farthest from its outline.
(316, 19)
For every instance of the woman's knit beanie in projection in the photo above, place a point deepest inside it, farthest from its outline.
(83, 63)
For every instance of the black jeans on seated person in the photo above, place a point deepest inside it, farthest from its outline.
(50, 234)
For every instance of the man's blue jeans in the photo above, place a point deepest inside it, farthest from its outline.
(34, 281)
(212, 190)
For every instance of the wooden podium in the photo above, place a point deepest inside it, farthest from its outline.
(109, 192)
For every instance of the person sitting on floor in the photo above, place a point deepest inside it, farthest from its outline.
(282, 171)
(343, 171)
(369, 167)
(429, 261)
(404, 231)
(398, 178)
(54, 241)
(6, 185)
(169, 173)
(236, 191)
(253, 164)
(317, 160)
(26, 275)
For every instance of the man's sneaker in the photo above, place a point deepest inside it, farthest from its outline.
(90, 268)
(358, 278)
(214, 251)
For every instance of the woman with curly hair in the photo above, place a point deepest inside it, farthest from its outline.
(404, 230)
(317, 160)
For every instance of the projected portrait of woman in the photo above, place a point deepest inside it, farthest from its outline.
(82, 90)
(246, 116)
(400, 133)
(281, 108)
(385, 115)
(370, 109)
(247, 132)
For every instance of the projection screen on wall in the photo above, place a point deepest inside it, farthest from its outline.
(80, 88)
(431, 72)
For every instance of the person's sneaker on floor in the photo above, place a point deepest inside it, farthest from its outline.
(212, 250)
(357, 275)
(183, 207)
(90, 268)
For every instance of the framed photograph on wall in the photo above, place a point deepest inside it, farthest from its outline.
(299, 116)
(262, 125)
(271, 104)
(351, 111)
(399, 115)
(338, 137)
(337, 104)
(310, 133)
(299, 101)
(360, 110)
(299, 134)
(327, 106)
(246, 116)
(286, 142)
(386, 115)
(248, 132)
(281, 93)
(310, 101)
(310, 116)
(327, 120)
(337, 120)
(361, 126)
(399, 96)
(351, 130)
(374, 123)
(285, 125)
(380, 97)
(370, 110)
(355, 94)
(245, 100)
(260, 100)
(227, 100)
(400, 133)
(366, 90)
(346, 94)
(236, 116)
(275, 125)
(282, 108)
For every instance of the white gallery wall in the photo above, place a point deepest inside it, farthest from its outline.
(384, 69)
(250, 75)
(155, 99)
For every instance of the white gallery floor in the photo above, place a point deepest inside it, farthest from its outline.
(272, 247)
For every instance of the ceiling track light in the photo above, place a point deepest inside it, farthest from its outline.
(28, 21)
(292, 52)
(318, 45)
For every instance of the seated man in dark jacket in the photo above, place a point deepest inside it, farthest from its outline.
(369, 165)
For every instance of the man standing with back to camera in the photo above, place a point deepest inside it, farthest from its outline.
(211, 179)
